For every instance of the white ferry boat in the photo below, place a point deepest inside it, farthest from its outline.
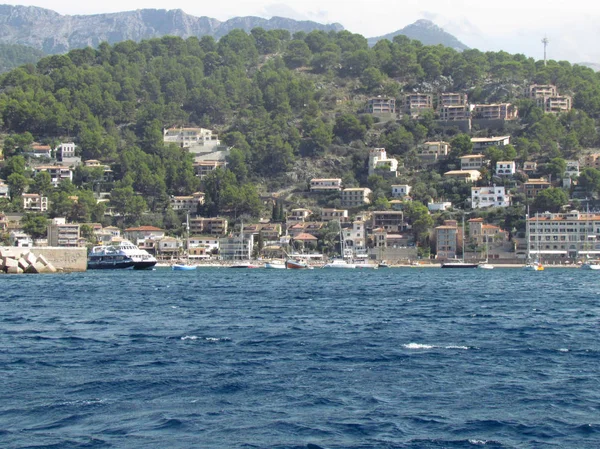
(142, 259)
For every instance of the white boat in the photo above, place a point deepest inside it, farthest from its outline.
(275, 265)
(485, 265)
(339, 263)
(590, 264)
(182, 267)
(460, 263)
(294, 264)
(532, 264)
(142, 259)
(366, 265)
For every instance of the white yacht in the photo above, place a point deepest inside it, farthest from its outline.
(339, 263)
(142, 259)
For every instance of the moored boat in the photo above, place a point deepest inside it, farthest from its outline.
(275, 265)
(182, 267)
(142, 259)
(459, 264)
(109, 259)
(293, 264)
(339, 263)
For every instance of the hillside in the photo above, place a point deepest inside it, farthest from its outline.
(53, 33)
(289, 110)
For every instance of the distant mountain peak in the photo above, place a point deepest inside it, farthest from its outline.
(52, 32)
(427, 32)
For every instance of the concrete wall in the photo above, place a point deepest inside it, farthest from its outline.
(63, 259)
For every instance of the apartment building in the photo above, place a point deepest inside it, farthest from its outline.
(540, 91)
(564, 235)
(391, 221)
(416, 103)
(61, 233)
(356, 197)
(452, 99)
(494, 196)
(381, 105)
(481, 233)
(298, 215)
(497, 111)
(446, 240)
(187, 203)
(57, 173)
(203, 168)
(210, 226)
(556, 104)
(452, 113)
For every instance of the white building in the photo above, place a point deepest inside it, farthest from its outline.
(439, 206)
(561, 235)
(192, 138)
(400, 190)
(57, 173)
(572, 170)
(506, 168)
(378, 161)
(65, 150)
(481, 143)
(489, 197)
(325, 184)
(35, 202)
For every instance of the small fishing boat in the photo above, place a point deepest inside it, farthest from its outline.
(182, 267)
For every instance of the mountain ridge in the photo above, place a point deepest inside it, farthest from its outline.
(55, 33)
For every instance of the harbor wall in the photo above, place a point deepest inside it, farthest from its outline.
(62, 258)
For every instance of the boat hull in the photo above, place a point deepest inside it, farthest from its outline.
(146, 265)
(110, 265)
(590, 266)
(275, 265)
(459, 265)
(295, 265)
(178, 267)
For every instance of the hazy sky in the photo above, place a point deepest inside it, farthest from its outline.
(516, 26)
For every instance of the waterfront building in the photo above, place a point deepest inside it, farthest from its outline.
(572, 235)
(61, 233)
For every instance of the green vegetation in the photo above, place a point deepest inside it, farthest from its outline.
(282, 102)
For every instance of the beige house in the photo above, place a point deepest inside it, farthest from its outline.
(190, 137)
(188, 203)
(452, 99)
(472, 161)
(381, 105)
(431, 152)
(334, 214)
(556, 104)
(533, 187)
(356, 197)
(416, 103)
(446, 240)
(390, 220)
(298, 215)
(212, 226)
(453, 112)
(203, 168)
(464, 175)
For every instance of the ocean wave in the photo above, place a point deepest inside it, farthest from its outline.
(209, 339)
(424, 346)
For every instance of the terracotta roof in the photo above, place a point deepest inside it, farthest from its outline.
(305, 236)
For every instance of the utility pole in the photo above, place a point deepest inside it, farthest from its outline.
(545, 41)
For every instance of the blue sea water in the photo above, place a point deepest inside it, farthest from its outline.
(219, 358)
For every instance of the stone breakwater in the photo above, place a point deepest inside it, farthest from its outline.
(42, 260)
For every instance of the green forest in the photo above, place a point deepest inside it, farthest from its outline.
(287, 104)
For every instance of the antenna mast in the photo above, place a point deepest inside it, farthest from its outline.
(545, 41)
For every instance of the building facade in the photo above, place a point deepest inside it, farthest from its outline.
(356, 197)
(326, 184)
(494, 196)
